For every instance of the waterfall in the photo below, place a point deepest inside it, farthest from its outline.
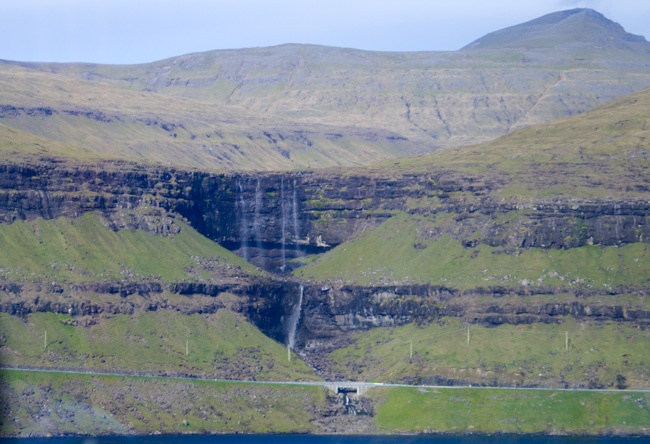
(296, 228)
(284, 226)
(257, 224)
(350, 409)
(294, 319)
(296, 221)
(243, 223)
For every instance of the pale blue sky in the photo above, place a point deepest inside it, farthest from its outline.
(138, 31)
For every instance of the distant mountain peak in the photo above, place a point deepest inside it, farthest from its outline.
(581, 26)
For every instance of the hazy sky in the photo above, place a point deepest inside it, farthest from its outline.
(138, 31)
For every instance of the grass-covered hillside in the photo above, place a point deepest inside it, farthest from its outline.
(82, 404)
(306, 106)
(80, 119)
(403, 250)
(575, 354)
(549, 216)
(220, 345)
(87, 249)
(505, 411)
(110, 405)
(15, 143)
(105, 292)
(522, 261)
(603, 153)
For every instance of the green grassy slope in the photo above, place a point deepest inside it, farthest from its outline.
(95, 405)
(84, 249)
(399, 251)
(15, 143)
(111, 121)
(504, 411)
(68, 251)
(223, 345)
(534, 354)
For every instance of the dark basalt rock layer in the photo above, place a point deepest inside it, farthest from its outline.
(326, 311)
(266, 214)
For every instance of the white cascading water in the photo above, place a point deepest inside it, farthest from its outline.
(243, 229)
(257, 224)
(294, 319)
(296, 229)
(284, 226)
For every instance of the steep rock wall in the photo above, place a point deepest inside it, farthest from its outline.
(330, 311)
(273, 218)
(326, 314)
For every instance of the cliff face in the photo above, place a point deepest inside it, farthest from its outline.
(327, 313)
(270, 219)
(279, 221)
(266, 302)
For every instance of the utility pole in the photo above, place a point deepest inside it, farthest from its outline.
(468, 336)
(566, 341)
(187, 347)
(45, 340)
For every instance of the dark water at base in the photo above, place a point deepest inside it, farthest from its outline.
(307, 439)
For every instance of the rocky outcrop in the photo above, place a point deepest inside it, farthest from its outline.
(330, 311)
(266, 302)
(10, 111)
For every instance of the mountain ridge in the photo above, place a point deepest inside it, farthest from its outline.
(355, 106)
(582, 25)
